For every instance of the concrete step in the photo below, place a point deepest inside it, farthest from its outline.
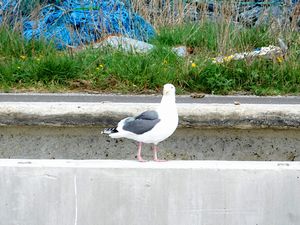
(206, 131)
(108, 192)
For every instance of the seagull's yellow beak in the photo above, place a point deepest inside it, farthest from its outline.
(165, 92)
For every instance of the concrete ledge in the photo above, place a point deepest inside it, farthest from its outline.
(55, 192)
(45, 130)
(246, 116)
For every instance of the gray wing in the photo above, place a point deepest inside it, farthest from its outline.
(142, 123)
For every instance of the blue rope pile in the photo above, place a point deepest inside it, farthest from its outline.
(76, 22)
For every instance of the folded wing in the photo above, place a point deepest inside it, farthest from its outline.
(141, 123)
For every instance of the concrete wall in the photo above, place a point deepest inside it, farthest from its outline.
(59, 192)
(42, 142)
(206, 131)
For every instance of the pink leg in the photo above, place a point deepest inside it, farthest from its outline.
(139, 156)
(155, 149)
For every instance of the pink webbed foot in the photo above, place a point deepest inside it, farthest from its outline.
(140, 159)
(155, 159)
(160, 160)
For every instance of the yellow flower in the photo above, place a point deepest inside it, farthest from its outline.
(228, 58)
(165, 62)
(279, 59)
(101, 66)
(194, 65)
(38, 58)
(23, 57)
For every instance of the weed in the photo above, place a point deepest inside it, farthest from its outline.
(37, 65)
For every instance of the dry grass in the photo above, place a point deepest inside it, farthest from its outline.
(170, 13)
(38, 65)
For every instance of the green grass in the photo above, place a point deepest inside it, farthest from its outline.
(38, 66)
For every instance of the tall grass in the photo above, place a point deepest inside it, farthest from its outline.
(38, 65)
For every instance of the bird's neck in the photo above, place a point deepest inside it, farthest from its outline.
(167, 102)
(168, 99)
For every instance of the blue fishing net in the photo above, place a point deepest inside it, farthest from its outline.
(76, 22)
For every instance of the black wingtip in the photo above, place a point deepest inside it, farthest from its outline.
(109, 130)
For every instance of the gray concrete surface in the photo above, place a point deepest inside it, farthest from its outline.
(59, 192)
(191, 115)
(207, 131)
(42, 142)
(207, 99)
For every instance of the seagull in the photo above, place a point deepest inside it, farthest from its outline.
(152, 126)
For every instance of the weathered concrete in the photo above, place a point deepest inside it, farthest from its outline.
(60, 192)
(187, 143)
(191, 115)
(207, 131)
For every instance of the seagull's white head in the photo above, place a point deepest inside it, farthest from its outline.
(169, 90)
